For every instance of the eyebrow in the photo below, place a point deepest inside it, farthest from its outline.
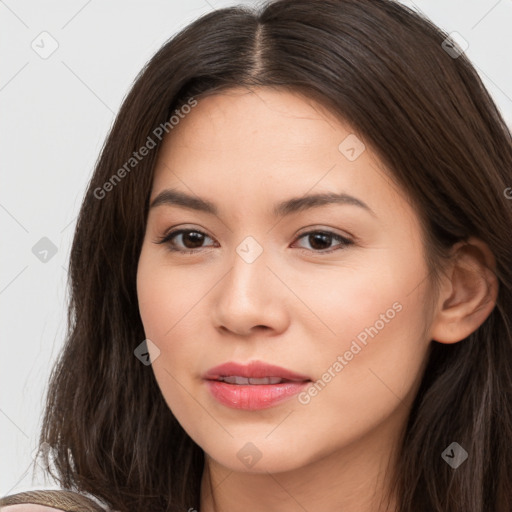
(296, 204)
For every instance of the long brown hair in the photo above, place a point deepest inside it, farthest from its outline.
(384, 69)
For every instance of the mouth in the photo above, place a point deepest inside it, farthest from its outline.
(253, 372)
(253, 386)
(253, 381)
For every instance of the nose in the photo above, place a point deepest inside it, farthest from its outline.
(250, 298)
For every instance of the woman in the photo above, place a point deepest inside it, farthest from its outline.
(291, 275)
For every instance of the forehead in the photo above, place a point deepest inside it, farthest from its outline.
(269, 143)
(281, 120)
(257, 133)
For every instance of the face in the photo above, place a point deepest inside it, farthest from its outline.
(261, 264)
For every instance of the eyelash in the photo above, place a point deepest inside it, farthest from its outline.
(168, 239)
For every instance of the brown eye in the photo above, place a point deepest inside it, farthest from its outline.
(184, 240)
(320, 241)
(192, 239)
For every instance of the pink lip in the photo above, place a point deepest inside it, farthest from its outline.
(256, 369)
(253, 396)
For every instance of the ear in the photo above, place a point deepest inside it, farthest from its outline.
(467, 294)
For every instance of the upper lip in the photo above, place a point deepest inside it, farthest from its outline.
(254, 369)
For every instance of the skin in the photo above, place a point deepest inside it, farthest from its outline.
(246, 150)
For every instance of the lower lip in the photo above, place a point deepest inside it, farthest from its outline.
(255, 396)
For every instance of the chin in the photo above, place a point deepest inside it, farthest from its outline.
(259, 456)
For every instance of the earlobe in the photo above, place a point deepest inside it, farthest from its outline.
(468, 293)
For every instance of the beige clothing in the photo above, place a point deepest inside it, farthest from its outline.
(48, 501)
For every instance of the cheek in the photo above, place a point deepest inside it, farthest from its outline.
(372, 356)
(153, 292)
(165, 299)
(166, 295)
(172, 308)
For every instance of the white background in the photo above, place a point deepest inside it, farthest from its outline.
(55, 114)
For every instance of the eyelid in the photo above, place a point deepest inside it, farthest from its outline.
(182, 229)
(320, 229)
